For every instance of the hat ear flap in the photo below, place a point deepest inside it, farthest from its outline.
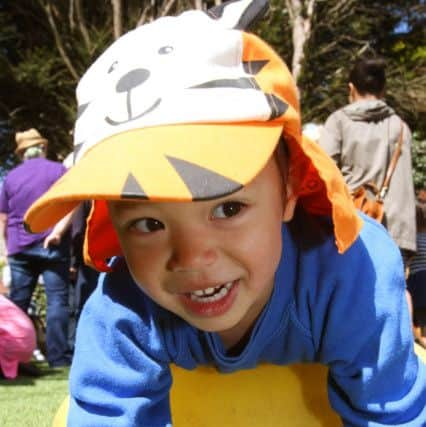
(239, 14)
(101, 241)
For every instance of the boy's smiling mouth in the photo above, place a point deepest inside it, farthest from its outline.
(211, 294)
(212, 301)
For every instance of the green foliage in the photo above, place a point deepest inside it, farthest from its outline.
(39, 303)
(38, 67)
(38, 86)
(343, 31)
(419, 161)
(275, 29)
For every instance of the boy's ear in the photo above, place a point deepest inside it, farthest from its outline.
(290, 203)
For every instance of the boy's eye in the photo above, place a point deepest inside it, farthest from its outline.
(228, 209)
(148, 225)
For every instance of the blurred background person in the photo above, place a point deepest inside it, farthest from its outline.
(17, 340)
(362, 136)
(416, 283)
(83, 277)
(31, 255)
(86, 277)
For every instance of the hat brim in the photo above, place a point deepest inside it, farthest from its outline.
(23, 146)
(165, 163)
(183, 163)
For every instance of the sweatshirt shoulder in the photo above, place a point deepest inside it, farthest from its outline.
(117, 294)
(335, 121)
(373, 256)
(333, 286)
(119, 312)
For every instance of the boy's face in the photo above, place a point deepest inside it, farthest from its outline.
(213, 262)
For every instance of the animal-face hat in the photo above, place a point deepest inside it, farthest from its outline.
(188, 108)
(28, 138)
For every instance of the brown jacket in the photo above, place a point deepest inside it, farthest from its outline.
(361, 138)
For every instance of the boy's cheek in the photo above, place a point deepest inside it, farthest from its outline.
(143, 263)
(146, 282)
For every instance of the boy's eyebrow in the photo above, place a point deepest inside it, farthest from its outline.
(125, 206)
(121, 207)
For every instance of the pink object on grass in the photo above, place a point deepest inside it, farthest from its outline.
(17, 338)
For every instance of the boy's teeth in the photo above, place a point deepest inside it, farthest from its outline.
(211, 294)
(198, 293)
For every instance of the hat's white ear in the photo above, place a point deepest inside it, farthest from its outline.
(239, 14)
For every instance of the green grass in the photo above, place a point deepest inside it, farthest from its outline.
(33, 402)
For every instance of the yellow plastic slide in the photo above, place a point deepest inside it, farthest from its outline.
(267, 396)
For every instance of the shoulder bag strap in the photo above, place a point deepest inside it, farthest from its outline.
(394, 160)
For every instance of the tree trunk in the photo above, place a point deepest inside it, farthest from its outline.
(58, 41)
(301, 14)
(117, 18)
(82, 26)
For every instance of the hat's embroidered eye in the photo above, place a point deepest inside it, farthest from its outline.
(165, 50)
(112, 67)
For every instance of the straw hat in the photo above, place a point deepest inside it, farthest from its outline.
(28, 138)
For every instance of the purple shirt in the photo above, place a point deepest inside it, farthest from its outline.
(22, 186)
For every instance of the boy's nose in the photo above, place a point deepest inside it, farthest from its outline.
(192, 255)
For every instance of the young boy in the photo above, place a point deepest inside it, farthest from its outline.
(233, 241)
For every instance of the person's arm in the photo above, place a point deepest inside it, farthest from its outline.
(4, 209)
(363, 333)
(331, 138)
(120, 373)
(3, 229)
(60, 228)
(78, 231)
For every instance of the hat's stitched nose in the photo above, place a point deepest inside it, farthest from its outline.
(132, 79)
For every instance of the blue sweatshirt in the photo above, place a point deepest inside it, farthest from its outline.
(345, 311)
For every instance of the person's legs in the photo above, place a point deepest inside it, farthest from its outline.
(406, 259)
(24, 274)
(85, 284)
(87, 279)
(72, 309)
(57, 314)
(56, 282)
(416, 285)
